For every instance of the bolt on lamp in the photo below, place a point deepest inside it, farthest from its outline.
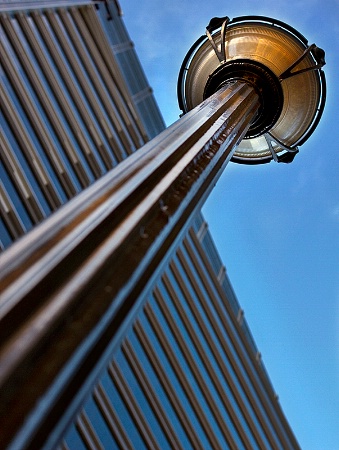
(278, 63)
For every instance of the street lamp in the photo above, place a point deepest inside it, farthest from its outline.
(252, 90)
(280, 65)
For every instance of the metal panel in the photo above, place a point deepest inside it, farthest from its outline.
(31, 110)
(81, 85)
(82, 42)
(22, 5)
(75, 89)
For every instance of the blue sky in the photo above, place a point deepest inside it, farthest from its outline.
(276, 226)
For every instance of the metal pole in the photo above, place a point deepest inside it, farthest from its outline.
(69, 287)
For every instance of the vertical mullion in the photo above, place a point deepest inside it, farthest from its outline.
(132, 406)
(135, 128)
(59, 94)
(33, 116)
(259, 387)
(202, 383)
(98, 47)
(256, 401)
(111, 418)
(218, 358)
(50, 43)
(72, 59)
(150, 394)
(92, 72)
(204, 422)
(107, 79)
(12, 221)
(87, 432)
(21, 183)
(28, 150)
(63, 446)
(167, 386)
(48, 107)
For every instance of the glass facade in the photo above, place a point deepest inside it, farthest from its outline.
(186, 373)
(74, 101)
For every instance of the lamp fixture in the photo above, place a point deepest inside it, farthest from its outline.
(278, 63)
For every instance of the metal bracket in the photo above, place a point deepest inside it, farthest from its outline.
(215, 23)
(286, 157)
(319, 56)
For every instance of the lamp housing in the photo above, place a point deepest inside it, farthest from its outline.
(281, 66)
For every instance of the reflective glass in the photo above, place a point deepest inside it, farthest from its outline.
(68, 104)
(227, 342)
(5, 237)
(157, 386)
(198, 388)
(122, 412)
(15, 198)
(178, 388)
(99, 425)
(17, 153)
(73, 439)
(102, 91)
(203, 371)
(216, 367)
(142, 401)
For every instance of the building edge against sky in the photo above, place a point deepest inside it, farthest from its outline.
(187, 371)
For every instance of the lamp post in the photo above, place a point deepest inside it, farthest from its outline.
(251, 90)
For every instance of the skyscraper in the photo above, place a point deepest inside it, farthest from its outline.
(183, 371)
(75, 103)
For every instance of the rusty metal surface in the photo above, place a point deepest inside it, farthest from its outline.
(68, 287)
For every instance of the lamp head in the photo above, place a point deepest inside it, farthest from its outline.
(278, 63)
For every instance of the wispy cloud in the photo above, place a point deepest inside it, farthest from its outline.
(335, 213)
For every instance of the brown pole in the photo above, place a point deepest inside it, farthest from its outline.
(69, 287)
